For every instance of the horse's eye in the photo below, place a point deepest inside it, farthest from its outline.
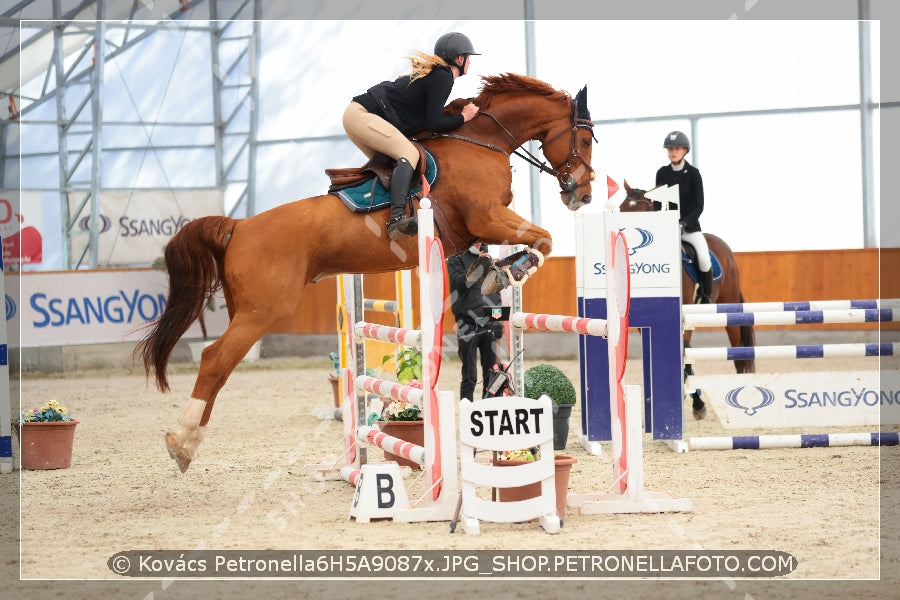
(586, 142)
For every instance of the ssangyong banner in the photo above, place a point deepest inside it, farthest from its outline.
(135, 225)
(813, 399)
(20, 227)
(90, 307)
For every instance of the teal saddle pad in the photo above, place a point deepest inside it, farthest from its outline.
(371, 195)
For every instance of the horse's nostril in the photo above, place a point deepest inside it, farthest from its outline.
(586, 199)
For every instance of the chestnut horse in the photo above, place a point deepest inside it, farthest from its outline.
(726, 290)
(264, 262)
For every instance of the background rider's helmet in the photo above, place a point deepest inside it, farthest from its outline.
(451, 45)
(676, 139)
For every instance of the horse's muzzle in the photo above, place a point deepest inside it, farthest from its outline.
(573, 202)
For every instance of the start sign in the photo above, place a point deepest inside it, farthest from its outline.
(506, 423)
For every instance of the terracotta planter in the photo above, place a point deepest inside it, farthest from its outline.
(46, 445)
(335, 390)
(408, 431)
(563, 465)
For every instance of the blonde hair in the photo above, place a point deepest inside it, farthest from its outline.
(422, 64)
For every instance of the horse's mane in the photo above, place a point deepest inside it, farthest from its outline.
(507, 83)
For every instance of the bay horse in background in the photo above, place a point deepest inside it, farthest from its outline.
(726, 290)
(264, 262)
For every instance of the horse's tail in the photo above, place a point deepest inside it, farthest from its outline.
(194, 260)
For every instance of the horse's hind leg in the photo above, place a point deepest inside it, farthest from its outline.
(216, 364)
(698, 407)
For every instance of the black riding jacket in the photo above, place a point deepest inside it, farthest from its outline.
(690, 192)
(414, 106)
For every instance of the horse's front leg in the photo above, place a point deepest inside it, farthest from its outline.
(504, 226)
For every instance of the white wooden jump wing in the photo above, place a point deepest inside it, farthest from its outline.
(501, 424)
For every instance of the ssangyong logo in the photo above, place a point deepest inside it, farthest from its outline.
(105, 223)
(743, 398)
(10, 307)
(646, 239)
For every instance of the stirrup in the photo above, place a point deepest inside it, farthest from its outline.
(401, 225)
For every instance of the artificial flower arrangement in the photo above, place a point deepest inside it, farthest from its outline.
(527, 455)
(403, 410)
(50, 412)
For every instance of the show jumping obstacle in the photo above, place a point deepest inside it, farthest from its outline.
(822, 391)
(657, 310)
(628, 493)
(438, 455)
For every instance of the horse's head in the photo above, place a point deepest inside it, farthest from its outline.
(635, 201)
(569, 152)
(525, 108)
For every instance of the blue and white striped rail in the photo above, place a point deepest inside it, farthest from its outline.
(745, 307)
(692, 355)
(800, 317)
(809, 440)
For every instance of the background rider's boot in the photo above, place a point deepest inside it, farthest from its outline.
(399, 224)
(705, 286)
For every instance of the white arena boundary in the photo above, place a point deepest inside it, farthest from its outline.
(438, 456)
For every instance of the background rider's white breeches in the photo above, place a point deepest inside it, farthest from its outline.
(698, 241)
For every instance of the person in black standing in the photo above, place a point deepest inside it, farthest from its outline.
(383, 118)
(690, 198)
(475, 332)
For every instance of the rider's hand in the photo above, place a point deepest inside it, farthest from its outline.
(469, 111)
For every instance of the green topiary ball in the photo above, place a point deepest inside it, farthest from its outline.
(549, 380)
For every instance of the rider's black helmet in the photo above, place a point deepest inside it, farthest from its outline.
(451, 45)
(676, 139)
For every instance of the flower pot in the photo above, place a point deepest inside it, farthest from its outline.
(562, 467)
(335, 389)
(408, 431)
(46, 445)
(561, 414)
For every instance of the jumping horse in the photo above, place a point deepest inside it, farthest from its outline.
(264, 262)
(726, 290)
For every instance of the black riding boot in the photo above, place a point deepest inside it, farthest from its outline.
(705, 286)
(399, 224)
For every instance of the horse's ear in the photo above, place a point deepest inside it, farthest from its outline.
(581, 102)
(627, 187)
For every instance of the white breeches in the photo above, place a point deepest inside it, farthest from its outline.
(698, 241)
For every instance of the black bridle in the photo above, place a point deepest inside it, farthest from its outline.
(567, 181)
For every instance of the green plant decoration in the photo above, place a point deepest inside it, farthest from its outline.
(549, 380)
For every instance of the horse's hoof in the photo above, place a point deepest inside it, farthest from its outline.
(175, 451)
(698, 406)
(479, 269)
(495, 280)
